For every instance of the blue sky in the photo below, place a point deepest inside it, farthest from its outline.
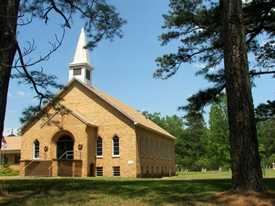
(123, 68)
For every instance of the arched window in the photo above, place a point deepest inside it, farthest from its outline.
(36, 149)
(99, 147)
(116, 146)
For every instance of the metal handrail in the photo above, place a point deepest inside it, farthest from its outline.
(67, 153)
(26, 166)
(50, 167)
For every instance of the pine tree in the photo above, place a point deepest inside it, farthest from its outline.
(192, 147)
(246, 166)
(198, 26)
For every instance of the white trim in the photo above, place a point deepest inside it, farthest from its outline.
(99, 156)
(115, 156)
(33, 150)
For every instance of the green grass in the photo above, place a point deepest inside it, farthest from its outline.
(185, 189)
(6, 171)
(268, 173)
(88, 191)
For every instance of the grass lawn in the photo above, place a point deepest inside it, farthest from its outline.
(193, 188)
(268, 173)
(6, 171)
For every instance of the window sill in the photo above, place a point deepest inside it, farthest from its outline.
(99, 157)
(116, 156)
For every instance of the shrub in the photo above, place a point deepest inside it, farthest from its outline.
(6, 171)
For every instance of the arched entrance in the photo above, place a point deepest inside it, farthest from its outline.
(65, 148)
(65, 155)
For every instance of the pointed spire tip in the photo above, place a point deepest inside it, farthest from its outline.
(81, 55)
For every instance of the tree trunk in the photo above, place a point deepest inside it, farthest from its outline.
(246, 168)
(8, 25)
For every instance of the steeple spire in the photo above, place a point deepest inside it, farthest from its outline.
(81, 54)
(81, 68)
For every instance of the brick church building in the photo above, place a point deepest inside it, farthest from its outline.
(89, 133)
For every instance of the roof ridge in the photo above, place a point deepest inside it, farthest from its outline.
(94, 89)
(135, 120)
(140, 120)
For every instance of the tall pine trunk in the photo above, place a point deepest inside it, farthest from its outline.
(246, 168)
(8, 25)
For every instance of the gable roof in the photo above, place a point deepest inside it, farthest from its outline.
(13, 143)
(129, 112)
(136, 117)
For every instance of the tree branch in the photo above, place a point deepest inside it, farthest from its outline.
(259, 28)
(29, 77)
(43, 58)
(54, 7)
(254, 73)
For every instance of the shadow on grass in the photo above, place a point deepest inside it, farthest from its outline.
(153, 192)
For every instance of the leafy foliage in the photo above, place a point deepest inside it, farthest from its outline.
(6, 171)
(265, 111)
(266, 133)
(29, 113)
(218, 151)
(191, 135)
(173, 124)
(193, 140)
(199, 146)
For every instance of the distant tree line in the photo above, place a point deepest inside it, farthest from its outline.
(200, 145)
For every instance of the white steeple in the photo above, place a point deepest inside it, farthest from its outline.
(81, 68)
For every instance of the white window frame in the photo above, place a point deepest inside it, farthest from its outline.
(116, 155)
(99, 156)
(33, 150)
